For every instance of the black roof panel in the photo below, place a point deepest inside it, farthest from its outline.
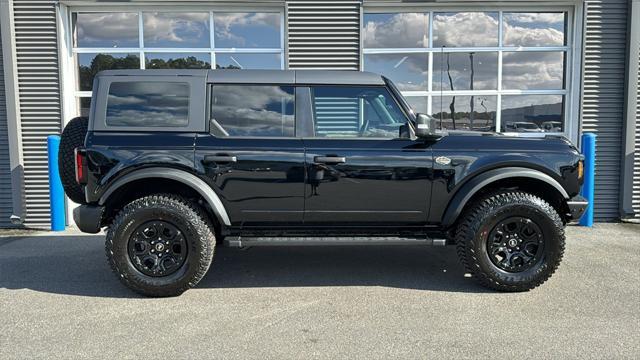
(295, 77)
(337, 77)
(310, 77)
(252, 76)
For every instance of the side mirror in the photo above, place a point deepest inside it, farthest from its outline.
(425, 126)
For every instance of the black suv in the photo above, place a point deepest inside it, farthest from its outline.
(172, 162)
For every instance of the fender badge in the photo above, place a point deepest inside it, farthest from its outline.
(443, 160)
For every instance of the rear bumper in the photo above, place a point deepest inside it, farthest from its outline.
(577, 206)
(88, 218)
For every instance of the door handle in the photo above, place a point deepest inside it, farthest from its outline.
(329, 159)
(219, 159)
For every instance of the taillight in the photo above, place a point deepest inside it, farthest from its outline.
(81, 166)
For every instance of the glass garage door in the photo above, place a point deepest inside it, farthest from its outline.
(502, 71)
(172, 40)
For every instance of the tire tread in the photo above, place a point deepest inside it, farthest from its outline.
(472, 219)
(145, 285)
(72, 136)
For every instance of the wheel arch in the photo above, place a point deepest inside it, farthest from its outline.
(165, 174)
(519, 177)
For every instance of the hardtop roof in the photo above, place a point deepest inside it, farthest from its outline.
(320, 77)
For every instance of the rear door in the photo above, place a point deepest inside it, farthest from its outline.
(363, 169)
(251, 155)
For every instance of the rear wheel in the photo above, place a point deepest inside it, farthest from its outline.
(72, 136)
(511, 241)
(160, 245)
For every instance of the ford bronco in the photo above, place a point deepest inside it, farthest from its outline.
(175, 162)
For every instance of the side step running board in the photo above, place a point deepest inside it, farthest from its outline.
(244, 241)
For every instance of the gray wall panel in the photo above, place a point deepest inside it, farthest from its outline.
(6, 207)
(39, 96)
(324, 35)
(636, 153)
(603, 96)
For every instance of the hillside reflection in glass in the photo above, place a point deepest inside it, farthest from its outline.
(261, 110)
(148, 103)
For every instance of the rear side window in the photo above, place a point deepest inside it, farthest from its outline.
(148, 104)
(253, 111)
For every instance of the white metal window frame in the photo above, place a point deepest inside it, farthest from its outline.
(68, 51)
(572, 50)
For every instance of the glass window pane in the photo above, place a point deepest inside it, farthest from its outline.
(407, 71)
(247, 30)
(348, 112)
(465, 29)
(257, 111)
(465, 71)
(176, 30)
(418, 104)
(476, 113)
(532, 113)
(110, 30)
(399, 30)
(177, 61)
(248, 61)
(147, 103)
(84, 105)
(90, 64)
(533, 70)
(534, 29)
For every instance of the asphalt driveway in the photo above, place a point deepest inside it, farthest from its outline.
(59, 299)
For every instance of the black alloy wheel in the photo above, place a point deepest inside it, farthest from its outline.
(157, 248)
(515, 244)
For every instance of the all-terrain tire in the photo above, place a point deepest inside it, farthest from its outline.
(187, 217)
(477, 223)
(72, 136)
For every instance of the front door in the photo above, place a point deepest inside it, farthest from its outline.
(252, 157)
(362, 169)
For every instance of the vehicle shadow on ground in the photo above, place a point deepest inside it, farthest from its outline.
(76, 265)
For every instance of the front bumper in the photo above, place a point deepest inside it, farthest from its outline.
(577, 206)
(88, 218)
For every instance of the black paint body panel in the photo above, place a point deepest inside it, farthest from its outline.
(265, 187)
(381, 182)
(278, 186)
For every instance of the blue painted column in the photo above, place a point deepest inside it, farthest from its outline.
(588, 188)
(56, 192)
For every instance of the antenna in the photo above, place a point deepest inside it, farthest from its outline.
(441, 71)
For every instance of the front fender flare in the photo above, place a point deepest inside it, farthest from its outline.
(470, 188)
(182, 176)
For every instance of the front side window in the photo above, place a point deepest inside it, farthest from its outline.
(252, 111)
(355, 112)
(148, 104)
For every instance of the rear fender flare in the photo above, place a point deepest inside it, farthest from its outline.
(466, 192)
(182, 176)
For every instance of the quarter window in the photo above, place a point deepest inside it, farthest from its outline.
(148, 104)
(253, 111)
(356, 112)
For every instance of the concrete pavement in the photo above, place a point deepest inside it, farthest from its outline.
(59, 299)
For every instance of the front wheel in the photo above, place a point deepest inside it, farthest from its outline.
(160, 245)
(511, 241)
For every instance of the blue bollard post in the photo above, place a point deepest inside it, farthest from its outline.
(588, 188)
(56, 192)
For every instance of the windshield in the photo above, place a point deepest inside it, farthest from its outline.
(403, 102)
